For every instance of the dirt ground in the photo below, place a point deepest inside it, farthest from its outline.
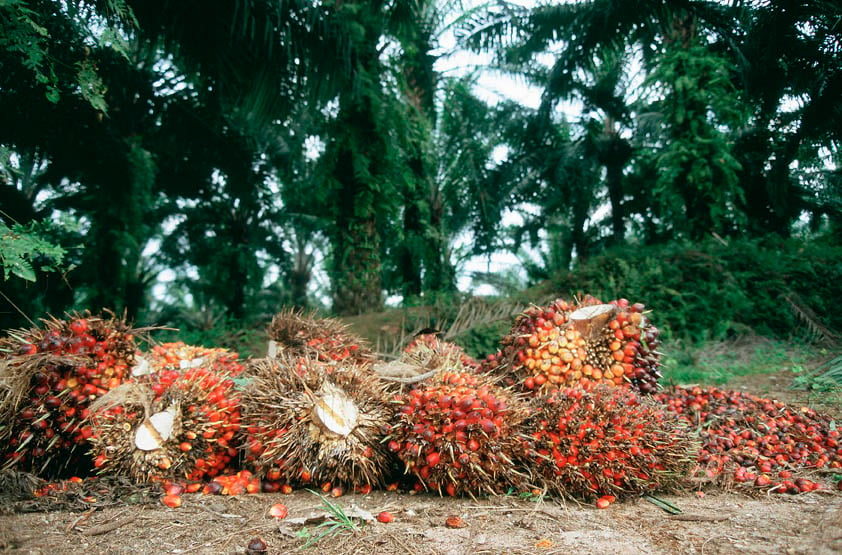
(716, 523)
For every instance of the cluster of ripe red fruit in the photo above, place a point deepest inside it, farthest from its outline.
(599, 440)
(324, 339)
(456, 435)
(208, 418)
(66, 365)
(755, 441)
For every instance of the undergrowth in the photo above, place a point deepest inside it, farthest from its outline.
(718, 362)
(719, 289)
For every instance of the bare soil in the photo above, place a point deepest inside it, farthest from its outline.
(719, 522)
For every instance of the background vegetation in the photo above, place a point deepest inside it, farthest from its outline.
(203, 164)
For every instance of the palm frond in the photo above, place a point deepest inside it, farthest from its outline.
(809, 318)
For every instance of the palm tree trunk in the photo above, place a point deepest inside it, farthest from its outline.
(356, 263)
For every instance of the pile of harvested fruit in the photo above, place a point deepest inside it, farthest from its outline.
(755, 441)
(568, 405)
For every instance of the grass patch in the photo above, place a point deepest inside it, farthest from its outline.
(337, 523)
(717, 362)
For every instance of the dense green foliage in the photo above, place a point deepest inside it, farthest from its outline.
(716, 289)
(214, 161)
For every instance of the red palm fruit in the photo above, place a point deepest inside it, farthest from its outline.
(443, 443)
(385, 517)
(591, 441)
(740, 430)
(50, 375)
(454, 521)
(333, 424)
(279, 511)
(306, 335)
(603, 502)
(174, 432)
(256, 546)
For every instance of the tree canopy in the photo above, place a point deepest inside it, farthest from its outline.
(227, 158)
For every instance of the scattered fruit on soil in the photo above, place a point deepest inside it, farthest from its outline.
(278, 510)
(454, 522)
(256, 546)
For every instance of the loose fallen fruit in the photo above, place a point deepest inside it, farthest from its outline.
(454, 522)
(172, 501)
(604, 501)
(278, 510)
(385, 517)
(256, 546)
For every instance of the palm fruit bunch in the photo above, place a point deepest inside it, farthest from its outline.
(755, 441)
(173, 424)
(309, 421)
(325, 339)
(50, 375)
(178, 356)
(456, 434)
(620, 344)
(584, 342)
(594, 440)
(428, 345)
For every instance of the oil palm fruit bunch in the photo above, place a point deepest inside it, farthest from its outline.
(309, 421)
(168, 425)
(593, 440)
(178, 356)
(48, 377)
(585, 342)
(425, 346)
(456, 433)
(324, 339)
(620, 344)
(424, 357)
